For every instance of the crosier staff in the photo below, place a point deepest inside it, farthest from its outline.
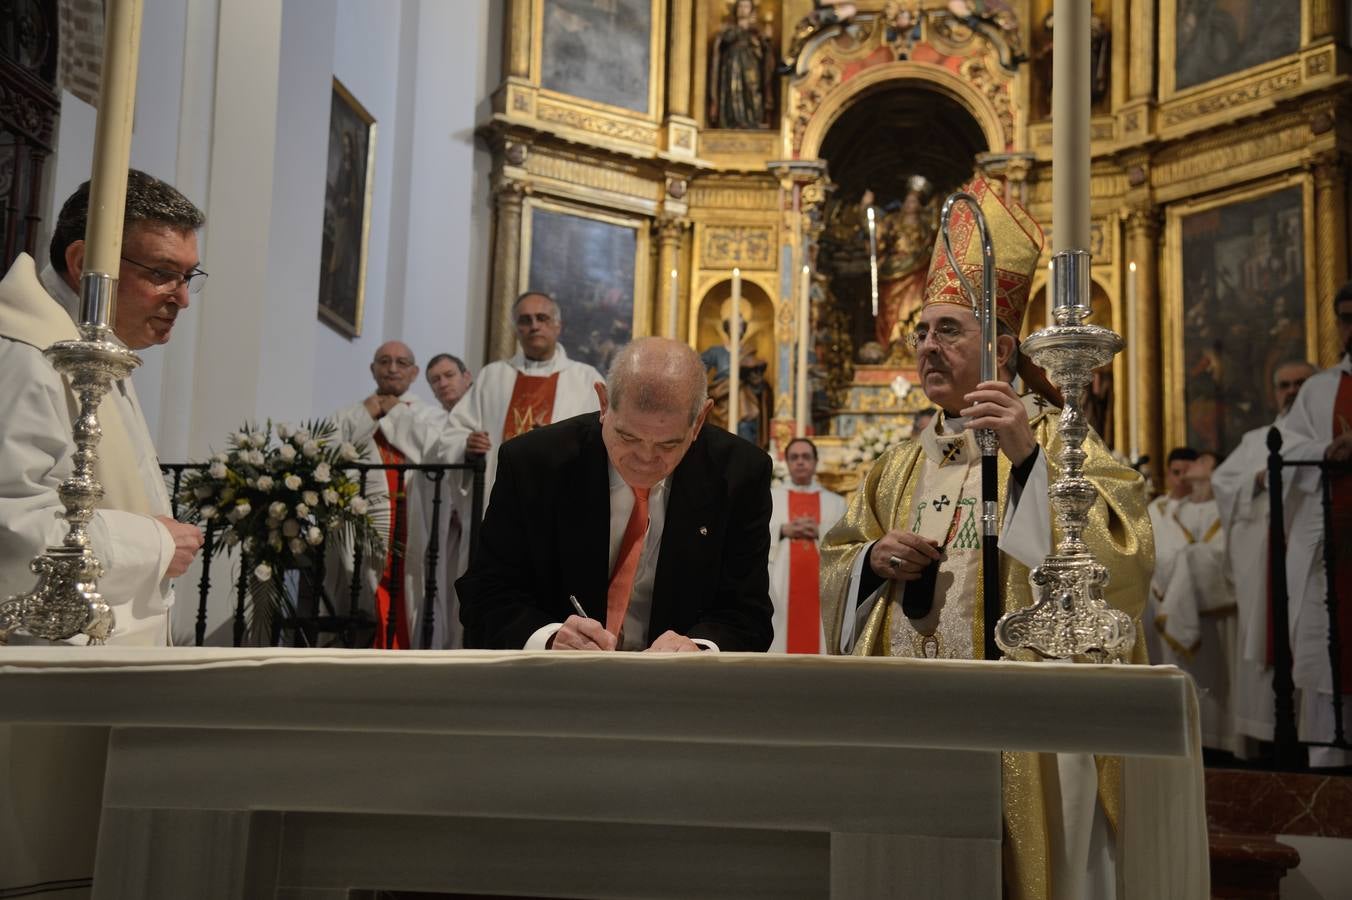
(984, 309)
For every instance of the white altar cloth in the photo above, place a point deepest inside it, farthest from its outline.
(235, 773)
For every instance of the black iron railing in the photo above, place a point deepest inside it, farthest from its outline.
(1288, 748)
(355, 623)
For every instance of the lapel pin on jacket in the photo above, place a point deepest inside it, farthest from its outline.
(704, 531)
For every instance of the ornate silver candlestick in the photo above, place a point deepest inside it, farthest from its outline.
(66, 600)
(1070, 617)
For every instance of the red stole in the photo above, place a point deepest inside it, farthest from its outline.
(805, 611)
(390, 591)
(532, 404)
(1340, 527)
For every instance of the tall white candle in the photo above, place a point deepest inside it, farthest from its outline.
(112, 145)
(1070, 126)
(1133, 367)
(673, 303)
(804, 340)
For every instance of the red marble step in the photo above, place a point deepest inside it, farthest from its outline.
(1249, 866)
(1253, 802)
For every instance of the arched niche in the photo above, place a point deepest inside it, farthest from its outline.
(760, 332)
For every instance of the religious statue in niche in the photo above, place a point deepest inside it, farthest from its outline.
(994, 20)
(906, 230)
(754, 396)
(741, 72)
(825, 13)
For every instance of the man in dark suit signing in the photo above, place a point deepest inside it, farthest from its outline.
(656, 526)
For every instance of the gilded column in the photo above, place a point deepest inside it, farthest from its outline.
(1143, 52)
(670, 237)
(1326, 19)
(517, 32)
(1143, 229)
(1330, 228)
(509, 197)
(679, 58)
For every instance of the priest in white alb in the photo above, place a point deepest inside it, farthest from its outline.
(49, 790)
(1320, 424)
(537, 386)
(1240, 486)
(801, 511)
(398, 427)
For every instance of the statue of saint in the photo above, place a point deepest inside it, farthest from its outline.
(905, 240)
(755, 401)
(740, 72)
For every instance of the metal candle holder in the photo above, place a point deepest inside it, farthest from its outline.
(66, 600)
(1070, 618)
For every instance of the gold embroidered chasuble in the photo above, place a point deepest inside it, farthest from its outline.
(913, 475)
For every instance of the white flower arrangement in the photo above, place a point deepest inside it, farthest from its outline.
(281, 499)
(871, 441)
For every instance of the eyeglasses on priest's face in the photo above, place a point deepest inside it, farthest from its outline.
(945, 332)
(168, 280)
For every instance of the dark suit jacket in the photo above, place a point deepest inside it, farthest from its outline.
(546, 535)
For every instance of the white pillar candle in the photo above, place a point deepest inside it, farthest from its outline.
(1070, 126)
(1133, 367)
(735, 364)
(673, 303)
(804, 340)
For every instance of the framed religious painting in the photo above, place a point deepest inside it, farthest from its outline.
(597, 267)
(601, 51)
(347, 212)
(1203, 41)
(1239, 301)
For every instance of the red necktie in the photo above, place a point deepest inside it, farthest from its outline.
(626, 563)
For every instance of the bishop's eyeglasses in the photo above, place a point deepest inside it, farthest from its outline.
(168, 280)
(946, 332)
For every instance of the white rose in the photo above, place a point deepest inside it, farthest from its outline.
(314, 536)
(256, 457)
(240, 511)
(231, 539)
(300, 437)
(220, 458)
(265, 483)
(310, 498)
(330, 496)
(217, 470)
(277, 510)
(283, 430)
(242, 438)
(292, 482)
(302, 510)
(359, 505)
(296, 545)
(259, 439)
(275, 540)
(291, 528)
(263, 572)
(310, 449)
(287, 452)
(348, 452)
(322, 474)
(208, 513)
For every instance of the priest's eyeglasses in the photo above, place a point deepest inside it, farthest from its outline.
(169, 280)
(946, 333)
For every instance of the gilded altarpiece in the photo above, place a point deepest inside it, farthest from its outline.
(913, 88)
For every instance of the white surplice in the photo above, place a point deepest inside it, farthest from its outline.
(415, 428)
(833, 506)
(1169, 539)
(1310, 425)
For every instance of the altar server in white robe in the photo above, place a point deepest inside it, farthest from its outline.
(399, 427)
(801, 512)
(1240, 486)
(1169, 539)
(50, 794)
(1196, 617)
(1320, 422)
(537, 386)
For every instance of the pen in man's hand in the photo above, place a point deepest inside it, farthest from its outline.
(578, 606)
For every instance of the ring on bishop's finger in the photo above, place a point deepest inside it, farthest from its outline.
(895, 562)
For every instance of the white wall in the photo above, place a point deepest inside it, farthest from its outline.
(232, 107)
